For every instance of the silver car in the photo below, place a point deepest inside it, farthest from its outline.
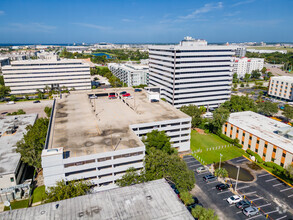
(250, 211)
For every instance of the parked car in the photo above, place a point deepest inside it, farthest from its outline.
(112, 97)
(190, 207)
(222, 186)
(93, 97)
(122, 93)
(209, 178)
(10, 103)
(243, 204)
(234, 199)
(37, 101)
(154, 100)
(126, 94)
(201, 169)
(250, 211)
(137, 90)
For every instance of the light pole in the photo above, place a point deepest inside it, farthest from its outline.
(220, 160)
(237, 178)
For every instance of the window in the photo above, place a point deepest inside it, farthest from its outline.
(11, 179)
(275, 150)
(226, 125)
(230, 135)
(256, 150)
(104, 167)
(266, 145)
(249, 146)
(257, 141)
(237, 131)
(282, 164)
(284, 155)
(264, 154)
(250, 137)
(242, 142)
(104, 159)
(243, 134)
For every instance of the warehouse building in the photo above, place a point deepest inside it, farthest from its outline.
(25, 77)
(271, 139)
(281, 87)
(97, 138)
(192, 72)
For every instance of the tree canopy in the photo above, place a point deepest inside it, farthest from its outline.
(203, 214)
(220, 116)
(132, 176)
(267, 108)
(239, 104)
(48, 111)
(255, 74)
(4, 91)
(186, 198)
(31, 145)
(221, 172)
(158, 140)
(288, 112)
(195, 113)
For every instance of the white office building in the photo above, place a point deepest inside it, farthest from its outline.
(281, 87)
(192, 72)
(27, 76)
(98, 139)
(247, 65)
(131, 74)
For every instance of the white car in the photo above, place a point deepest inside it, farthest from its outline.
(201, 169)
(234, 199)
(10, 103)
(128, 97)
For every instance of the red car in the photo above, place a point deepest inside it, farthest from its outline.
(112, 97)
(126, 95)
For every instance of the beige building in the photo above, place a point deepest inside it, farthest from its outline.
(281, 87)
(271, 139)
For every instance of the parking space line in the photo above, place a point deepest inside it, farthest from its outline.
(194, 165)
(264, 205)
(271, 180)
(255, 216)
(285, 189)
(203, 173)
(241, 160)
(244, 187)
(248, 193)
(264, 175)
(212, 182)
(256, 199)
(282, 217)
(224, 192)
(278, 184)
(290, 195)
(271, 212)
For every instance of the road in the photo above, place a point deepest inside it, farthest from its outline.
(276, 71)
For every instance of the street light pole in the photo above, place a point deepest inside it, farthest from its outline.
(237, 178)
(220, 160)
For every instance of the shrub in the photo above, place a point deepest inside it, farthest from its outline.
(257, 157)
(186, 198)
(242, 85)
(230, 140)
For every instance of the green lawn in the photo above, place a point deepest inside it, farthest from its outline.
(17, 205)
(38, 194)
(206, 141)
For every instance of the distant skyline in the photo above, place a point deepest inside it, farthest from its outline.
(165, 21)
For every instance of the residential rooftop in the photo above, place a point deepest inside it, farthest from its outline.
(150, 200)
(263, 127)
(80, 130)
(9, 159)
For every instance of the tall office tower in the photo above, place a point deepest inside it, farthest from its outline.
(192, 72)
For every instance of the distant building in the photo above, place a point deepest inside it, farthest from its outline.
(281, 87)
(131, 74)
(270, 139)
(146, 201)
(247, 65)
(240, 51)
(100, 138)
(24, 77)
(4, 61)
(192, 72)
(267, 51)
(76, 49)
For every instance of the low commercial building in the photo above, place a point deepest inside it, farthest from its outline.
(151, 200)
(267, 51)
(271, 139)
(24, 77)
(131, 74)
(247, 65)
(12, 129)
(97, 138)
(281, 87)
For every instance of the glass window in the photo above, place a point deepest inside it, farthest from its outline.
(275, 150)
(11, 179)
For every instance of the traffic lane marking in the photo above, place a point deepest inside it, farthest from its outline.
(264, 175)
(278, 184)
(271, 180)
(254, 216)
(282, 217)
(285, 189)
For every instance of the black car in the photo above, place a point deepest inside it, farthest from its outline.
(122, 93)
(243, 204)
(137, 90)
(37, 101)
(190, 207)
(222, 186)
(154, 100)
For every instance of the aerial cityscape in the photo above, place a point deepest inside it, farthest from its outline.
(146, 110)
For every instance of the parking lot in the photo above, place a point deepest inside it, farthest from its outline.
(272, 196)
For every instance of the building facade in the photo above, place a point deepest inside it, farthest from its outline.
(24, 77)
(247, 65)
(192, 72)
(281, 87)
(131, 74)
(270, 139)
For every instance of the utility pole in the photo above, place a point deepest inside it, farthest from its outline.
(237, 178)
(220, 159)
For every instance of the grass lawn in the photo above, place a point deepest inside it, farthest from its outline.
(38, 194)
(205, 141)
(17, 205)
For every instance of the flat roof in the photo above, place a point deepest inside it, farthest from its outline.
(81, 130)
(283, 78)
(262, 127)
(150, 200)
(9, 159)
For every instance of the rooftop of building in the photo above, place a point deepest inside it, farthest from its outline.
(131, 67)
(81, 130)
(9, 159)
(150, 200)
(283, 78)
(43, 61)
(262, 127)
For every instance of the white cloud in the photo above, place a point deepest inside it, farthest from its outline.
(205, 9)
(2, 12)
(242, 3)
(94, 26)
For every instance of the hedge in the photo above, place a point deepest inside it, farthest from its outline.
(257, 157)
(231, 141)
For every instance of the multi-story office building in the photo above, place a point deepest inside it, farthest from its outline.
(27, 76)
(281, 87)
(131, 74)
(240, 51)
(247, 65)
(192, 72)
(100, 138)
(270, 139)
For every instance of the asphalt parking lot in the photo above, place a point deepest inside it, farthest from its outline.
(272, 196)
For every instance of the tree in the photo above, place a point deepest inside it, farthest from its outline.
(13, 98)
(260, 94)
(289, 170)
(235, 78)
(47, 89)
(288, 112)
(64, 190)
(267, 108)
(195, 113)
(48, 111)
(203, 214)
(158, 140)
(130, 177)
(2, 80)
(239, 104)
(221, 172)
(186, 198)
(255, 74)
(31, 145)
(263, 70)
(246, 77)
(220, 116)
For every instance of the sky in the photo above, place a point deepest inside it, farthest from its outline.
(144, 21)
